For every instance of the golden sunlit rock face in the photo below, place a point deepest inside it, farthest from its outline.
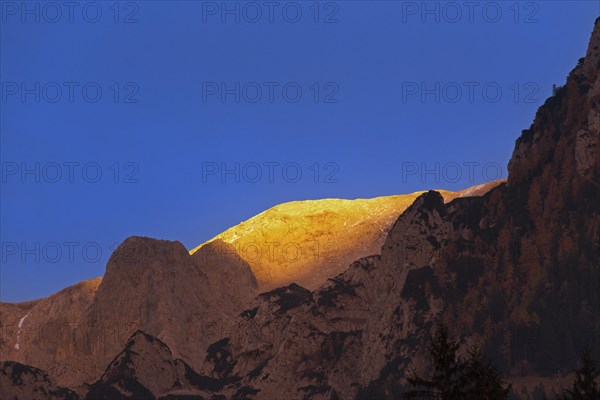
(307, 242)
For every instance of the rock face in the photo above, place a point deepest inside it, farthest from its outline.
(307, 242)
(516, 270)
(149, 285)
(42, 332)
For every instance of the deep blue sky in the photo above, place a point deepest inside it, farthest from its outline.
(374, 57)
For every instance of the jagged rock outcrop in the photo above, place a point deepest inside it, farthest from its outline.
(146, 369)
(157, 287)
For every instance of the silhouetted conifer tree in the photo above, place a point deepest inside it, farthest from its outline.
(454, 378)
(585, 386)
(483, 380)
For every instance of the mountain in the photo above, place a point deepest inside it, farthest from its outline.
(157, 286)
(306, 242)
(150, 285)
(515, 270)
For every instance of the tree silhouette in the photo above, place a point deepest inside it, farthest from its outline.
(483, 379)
(454, 378)
(585, 386)
(446, 382)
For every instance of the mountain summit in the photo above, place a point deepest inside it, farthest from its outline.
(307, 242)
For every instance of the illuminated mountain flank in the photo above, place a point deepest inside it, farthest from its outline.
(307, 242)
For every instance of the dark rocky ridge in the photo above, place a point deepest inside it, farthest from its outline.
(25, 382)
